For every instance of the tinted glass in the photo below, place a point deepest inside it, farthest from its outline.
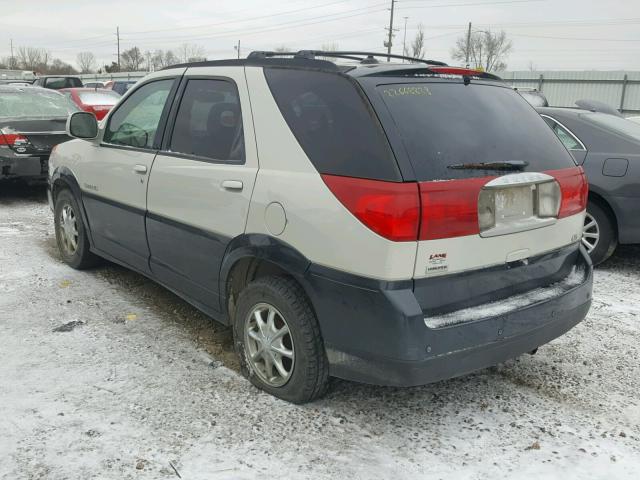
(104, 97)
(333, 123)
(62, 82)
(136, 121)
(567, 139)
(32, 102)
(619, 125)
(209, 121)
(443, 124)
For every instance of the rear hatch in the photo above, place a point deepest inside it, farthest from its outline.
(501, 200)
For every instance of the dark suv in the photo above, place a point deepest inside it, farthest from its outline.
(58, 82)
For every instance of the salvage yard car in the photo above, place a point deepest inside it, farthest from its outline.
(608, 147)
(57, 82)
(32, 122)
(389, 223)
(93, 100)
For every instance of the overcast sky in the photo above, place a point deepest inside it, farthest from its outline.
(550, 34)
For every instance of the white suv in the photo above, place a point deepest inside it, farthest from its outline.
(389, 223)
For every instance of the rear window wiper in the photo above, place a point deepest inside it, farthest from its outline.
(506, 165)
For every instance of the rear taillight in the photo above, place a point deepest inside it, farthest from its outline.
(12, 139)
(450, 208)
(575, 190)
(390, 209)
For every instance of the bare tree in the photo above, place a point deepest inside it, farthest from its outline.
(86, 62)
(131, 60)
(163, 58)
(487, 50)
(30, 58)
(189, 52)
(330, 47)
(417, 45)
(58, 67)
(282, 49)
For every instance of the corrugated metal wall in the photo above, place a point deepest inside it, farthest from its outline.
(562, 89)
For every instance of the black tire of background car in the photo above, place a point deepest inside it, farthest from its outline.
(310, 376)
(608, 237)
(82, 258)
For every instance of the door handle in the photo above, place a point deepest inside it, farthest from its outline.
(141, 169)
(232, 185)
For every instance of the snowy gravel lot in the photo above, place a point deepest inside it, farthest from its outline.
(148, 388)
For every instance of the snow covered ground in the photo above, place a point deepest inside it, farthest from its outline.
(143, 386)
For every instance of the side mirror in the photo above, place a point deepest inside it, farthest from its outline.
(82, 125)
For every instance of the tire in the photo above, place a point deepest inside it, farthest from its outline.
(76, 253)
(307, 367)
(599, 222)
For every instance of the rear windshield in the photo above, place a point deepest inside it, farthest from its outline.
(106, 97)
(333, 123)
(35, 102)
(63, 82)
(445, 124)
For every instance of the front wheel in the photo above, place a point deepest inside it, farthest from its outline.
(71, 236)
(599, 234)
(278, 340)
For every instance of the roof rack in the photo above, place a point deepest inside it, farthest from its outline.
(362, 57)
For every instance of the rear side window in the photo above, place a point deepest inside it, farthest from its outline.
(209, 121)
(566, 137)
(333, 123)
(449, 124)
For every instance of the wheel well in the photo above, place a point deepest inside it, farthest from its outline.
(245, 271)
(59, 185)
(596, 198)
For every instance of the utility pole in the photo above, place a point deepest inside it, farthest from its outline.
(468, 44)
(118, 37)
(389, 42)
(237, 47)
(404, 40)
(13, 62)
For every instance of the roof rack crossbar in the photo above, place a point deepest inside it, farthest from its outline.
(349, 55)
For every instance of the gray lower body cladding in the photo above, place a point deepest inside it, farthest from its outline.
(378, 334)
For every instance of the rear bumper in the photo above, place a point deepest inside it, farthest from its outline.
(29, 168)
(379, 335)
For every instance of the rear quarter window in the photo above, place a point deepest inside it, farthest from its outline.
(447, 123)
(333, 122)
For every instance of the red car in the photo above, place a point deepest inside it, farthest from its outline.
(94, 100)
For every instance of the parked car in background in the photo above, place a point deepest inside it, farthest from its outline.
(32, 122)
(121, 86)
(389, 234)
(92, 100)
(94, 84)
(20, 83)
(57, 82)
(533, 96)
(608, 148)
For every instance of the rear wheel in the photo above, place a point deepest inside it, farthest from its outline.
(71, 236)
(599, 234)
(278, 340)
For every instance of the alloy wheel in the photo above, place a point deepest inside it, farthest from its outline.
(269, 345)
(590, 233)
(68, 229)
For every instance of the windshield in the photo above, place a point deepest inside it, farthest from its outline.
(619, 125)
(106, 97)
(35, 102)
(444, 125)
